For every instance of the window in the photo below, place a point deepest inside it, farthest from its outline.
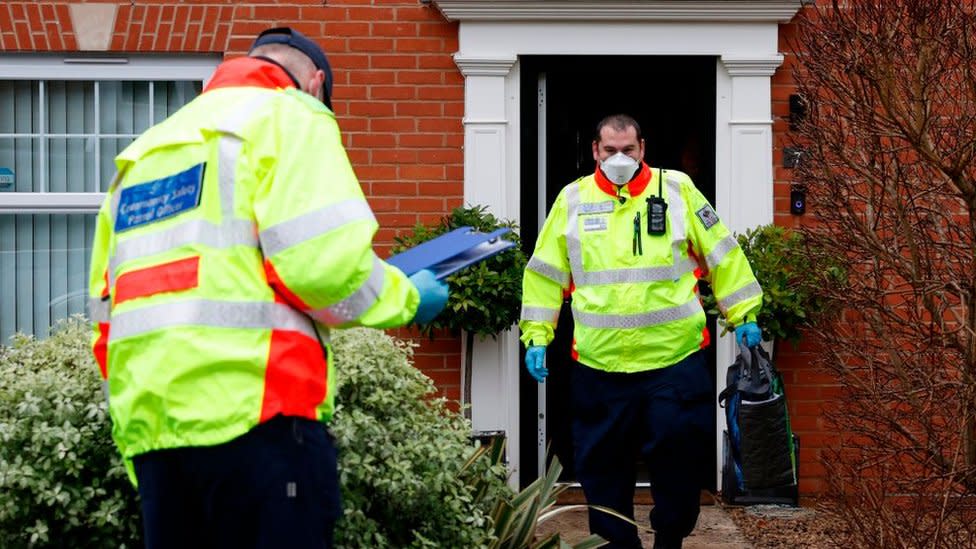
(62, 121)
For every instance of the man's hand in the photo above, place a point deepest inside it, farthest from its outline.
(433, 296)
(535, 362)
(748, 334)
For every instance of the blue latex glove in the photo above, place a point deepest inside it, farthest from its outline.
(748, 334)
(433, 296)
(535, 362)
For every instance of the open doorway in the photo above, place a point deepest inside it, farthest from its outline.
(673, 99)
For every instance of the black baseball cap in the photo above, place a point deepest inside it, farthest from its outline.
(297, 40)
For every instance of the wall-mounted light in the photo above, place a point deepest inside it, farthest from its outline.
(792, 156)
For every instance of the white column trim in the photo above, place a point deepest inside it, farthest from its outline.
(752, 66)
(744, 170)
(772, 11)
(489, 145)
(482, 66)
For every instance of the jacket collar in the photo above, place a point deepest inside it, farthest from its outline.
(635, 186)
(250, 72)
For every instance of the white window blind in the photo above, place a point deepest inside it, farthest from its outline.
(58, 140)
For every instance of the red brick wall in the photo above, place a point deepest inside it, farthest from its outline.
(808, 388)
(398, 95)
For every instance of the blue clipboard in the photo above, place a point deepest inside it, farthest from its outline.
(451, 252)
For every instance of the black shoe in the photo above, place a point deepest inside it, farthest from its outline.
(663, 542)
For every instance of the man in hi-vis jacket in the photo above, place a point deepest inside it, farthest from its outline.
(628, 245)
(233, 236)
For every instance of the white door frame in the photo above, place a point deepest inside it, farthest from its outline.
(742, 34)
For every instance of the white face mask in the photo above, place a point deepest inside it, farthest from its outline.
(619, 168)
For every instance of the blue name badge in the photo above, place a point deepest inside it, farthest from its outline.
(155, 200)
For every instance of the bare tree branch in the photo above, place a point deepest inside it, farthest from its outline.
(891, 179)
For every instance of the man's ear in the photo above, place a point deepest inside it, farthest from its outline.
(316, 85)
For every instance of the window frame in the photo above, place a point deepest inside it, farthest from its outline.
(92, 68)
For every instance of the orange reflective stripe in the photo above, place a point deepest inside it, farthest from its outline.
(100, 349)
(295, 379)
(281, 290)
(174, 276)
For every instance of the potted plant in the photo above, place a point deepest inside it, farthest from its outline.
(486, 297)
(790, 269)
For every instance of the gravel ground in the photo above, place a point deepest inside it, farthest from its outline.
(723, 527)
(784, 527)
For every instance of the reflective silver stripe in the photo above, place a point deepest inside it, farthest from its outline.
(211, 313)
(116, 195)
(639, 320)
(229, 148)
(284, 235)
(228, 152)
(325, 336)
(720, 250)
(99, 310)
(196, 231)
(679, 230)
(549, 271)
(113, 214)
(643, 274)
(356, 304)
(749, 290)
(680, 266)
(234, 123)
(573, 247)
(676, 208)
(540, 314)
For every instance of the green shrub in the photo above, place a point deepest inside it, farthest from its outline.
(789, 269)
(61, 479)
(403, 462)
(410, 475)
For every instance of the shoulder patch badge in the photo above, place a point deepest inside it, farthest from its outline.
(707, 216)
(159, 199)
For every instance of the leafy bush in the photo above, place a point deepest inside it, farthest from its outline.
(405, 464)
(790, 270)
(486, 297)
(410, 475)
(62, 481)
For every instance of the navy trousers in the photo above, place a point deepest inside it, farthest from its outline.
(663, 415)
(275, 486)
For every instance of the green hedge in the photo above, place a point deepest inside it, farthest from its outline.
(404, 469)
(61, 479)
(403, 453)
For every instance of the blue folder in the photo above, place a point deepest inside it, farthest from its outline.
(451, 252)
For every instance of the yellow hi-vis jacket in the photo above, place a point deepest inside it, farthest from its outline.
(233, 236)
(634, 295)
